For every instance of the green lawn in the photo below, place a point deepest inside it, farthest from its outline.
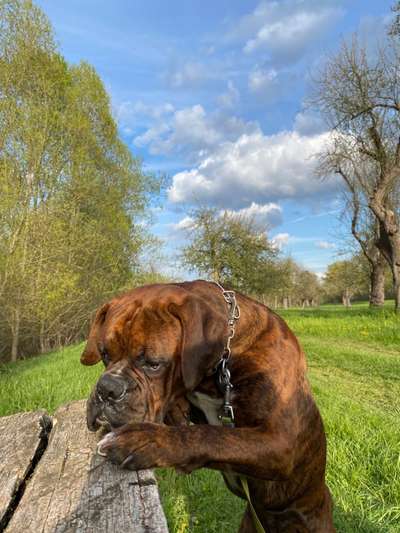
(354, 367)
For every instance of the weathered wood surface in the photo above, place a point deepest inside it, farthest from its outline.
(20, 443)
(75, 490)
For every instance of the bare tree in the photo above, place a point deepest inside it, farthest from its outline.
(356, 213)
(359, 97)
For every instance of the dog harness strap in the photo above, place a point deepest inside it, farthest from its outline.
(256, 521)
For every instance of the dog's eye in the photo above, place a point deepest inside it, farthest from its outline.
(153, 366)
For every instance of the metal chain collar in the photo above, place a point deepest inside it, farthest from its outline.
(226, 414)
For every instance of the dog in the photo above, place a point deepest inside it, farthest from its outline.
(161, 399)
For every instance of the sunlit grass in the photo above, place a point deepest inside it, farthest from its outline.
(354, 367)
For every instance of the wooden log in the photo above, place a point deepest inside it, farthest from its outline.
(22, 439)
(75, 490)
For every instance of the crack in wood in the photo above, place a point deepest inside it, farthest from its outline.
(46, 425)
(69, 488)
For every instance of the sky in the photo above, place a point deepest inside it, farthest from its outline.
(212, 95)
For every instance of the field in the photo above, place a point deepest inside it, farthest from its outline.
(354, 367)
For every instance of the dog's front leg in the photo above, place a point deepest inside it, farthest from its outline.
(256, 452)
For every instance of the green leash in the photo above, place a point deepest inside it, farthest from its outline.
(256, 520)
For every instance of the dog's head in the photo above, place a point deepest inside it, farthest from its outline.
(156, 342)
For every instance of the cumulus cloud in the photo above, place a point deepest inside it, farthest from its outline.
(255, 168)
(285, 29)
(269, 214)
(192, 132)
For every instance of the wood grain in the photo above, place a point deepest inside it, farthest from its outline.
(20, 442)
(75, 490)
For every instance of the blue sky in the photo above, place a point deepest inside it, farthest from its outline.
(211, 94)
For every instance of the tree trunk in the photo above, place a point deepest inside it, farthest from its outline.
(389, 242)
(377, 294)
(15, 336)
(346, 298)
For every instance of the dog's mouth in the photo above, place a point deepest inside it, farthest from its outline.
(110, 414)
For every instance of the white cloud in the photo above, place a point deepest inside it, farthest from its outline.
(192, 132)
(255, 168)
(184, 224)
(230, 98)
(280, 240)
(284, 29)
(267, 214)
(325, 245)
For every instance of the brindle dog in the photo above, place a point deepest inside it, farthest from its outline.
(160, 345)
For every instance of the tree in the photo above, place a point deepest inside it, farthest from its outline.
(366, 232)
(229, 248)
(72, 197)
(359, 97)
(307, 288)
(345, 279)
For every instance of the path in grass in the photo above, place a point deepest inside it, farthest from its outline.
(354, 368)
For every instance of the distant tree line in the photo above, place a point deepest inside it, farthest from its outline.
(234, 250)
(72, 197)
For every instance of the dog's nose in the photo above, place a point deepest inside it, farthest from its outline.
(111, 388)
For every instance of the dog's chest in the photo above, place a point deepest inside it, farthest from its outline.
(208, 405)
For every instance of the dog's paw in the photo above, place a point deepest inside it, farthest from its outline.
(105, 441)
(136, 446)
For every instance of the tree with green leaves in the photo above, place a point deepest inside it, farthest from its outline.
(346, 279)
(72, 196)
(230, 248)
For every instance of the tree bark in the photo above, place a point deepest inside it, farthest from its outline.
(389, 244)
(346, 298)
(377, 292)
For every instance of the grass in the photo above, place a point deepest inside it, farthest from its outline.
(354, 367)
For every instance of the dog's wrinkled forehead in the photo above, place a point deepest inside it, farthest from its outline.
(141, 327)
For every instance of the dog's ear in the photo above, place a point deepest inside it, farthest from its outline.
(91, 354)
(204, 335)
